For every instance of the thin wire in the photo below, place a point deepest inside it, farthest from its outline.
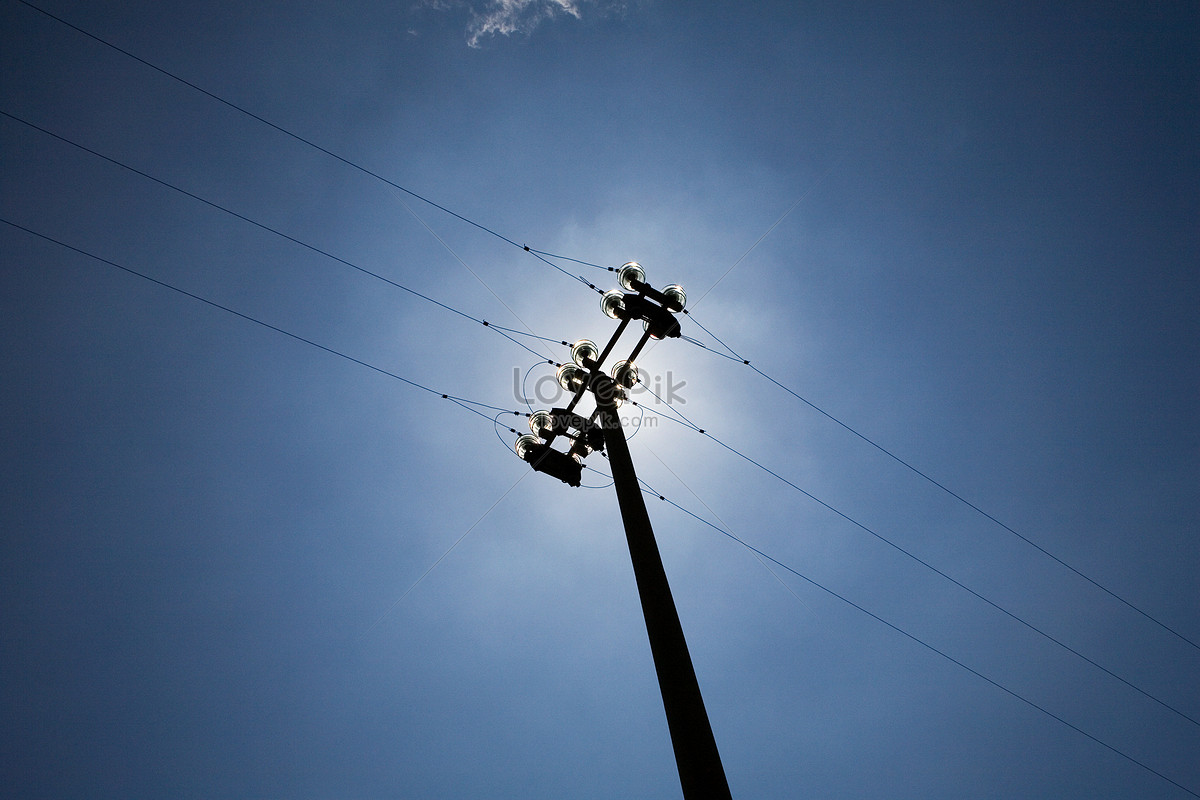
(458, 258)
(505, 332)
(924, 644)
(523, 333)
(289, 134)
(602, 475)
(579, 278)
(470, 405)
(681, 418)
(537, 254)
(699, 343)
(641, 418)
(951, 492)
(735, 356)
(458, 401)
(524, 396)
(568, 258)
(939, 572)
(496, 426)
(716, 516)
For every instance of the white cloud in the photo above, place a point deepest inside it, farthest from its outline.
(506, 17)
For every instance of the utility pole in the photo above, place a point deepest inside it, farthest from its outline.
(701, 774)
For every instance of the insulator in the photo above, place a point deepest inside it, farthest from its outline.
(584, 350)
(526, 443)
(571, 377)
(629, 274)
(541, 423)
(613, 304)
(625, 373)
(676, 296)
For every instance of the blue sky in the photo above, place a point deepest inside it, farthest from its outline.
(977, 245)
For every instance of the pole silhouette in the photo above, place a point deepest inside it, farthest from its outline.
(700, 771)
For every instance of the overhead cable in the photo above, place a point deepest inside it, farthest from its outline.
(646, 488)
(297, 137)
(913, 556)
(507, 333)
(470, 405)
(735, 356)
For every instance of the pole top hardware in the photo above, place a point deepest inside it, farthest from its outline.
(544, 458)
(656, 310)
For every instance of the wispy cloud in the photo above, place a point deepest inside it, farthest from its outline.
(505, 17)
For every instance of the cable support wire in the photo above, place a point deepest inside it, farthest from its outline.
(538, 254)
(609, 478)
(568, 258)
(524, 396)
(465, 265)
(647, 489)
(733, 357)
(641, 418)
(507, 333)
(470, 405)
(943, 487)
(681, 418)
(699, 343)
(685, 421)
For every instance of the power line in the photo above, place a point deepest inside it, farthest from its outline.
(649, 490)
(465, 266)
(470, 405)
(537, 253)
(507, 333)
(717, 517)
(737, 357)
(685, 421)
(297, 137)
(568, 258)
(541, 255)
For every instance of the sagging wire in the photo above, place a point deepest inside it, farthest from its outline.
(507, 333)
(544, 362)
(469, 405)
(280, 129)
(641, 418)
(923, 643)
(602, 475)
(944, 488)
(945, 576)
(568, 258)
